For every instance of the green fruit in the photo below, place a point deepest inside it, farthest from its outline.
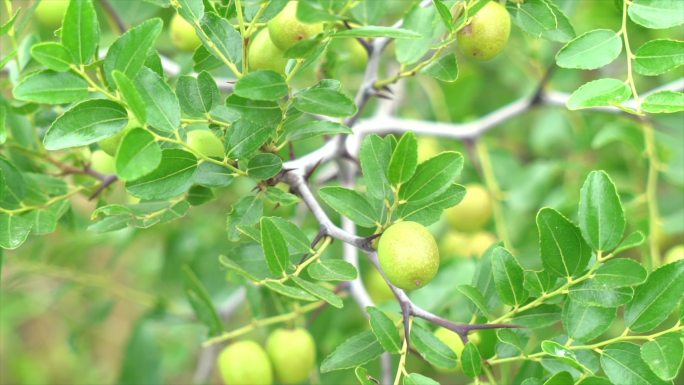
(50, 12)
(453, 244)
(479, 243)
(245, 363)
(102, 162)
(378, 289)
(205, 143)
(183, 34)
(473, 212)
(408, 255)
(674, 254)
(293, 354)
(487, 33)
(286, 30)
(264, 55)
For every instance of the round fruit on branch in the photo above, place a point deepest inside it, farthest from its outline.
(293, 354)
(287, 30)
(245, 363)
(205, 143)
(408, 255)
(474, 212)
(487, 33)
(264, 55)
(183, 34)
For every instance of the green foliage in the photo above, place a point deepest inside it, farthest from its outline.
(261, 147)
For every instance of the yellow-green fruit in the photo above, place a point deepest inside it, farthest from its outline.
(487, 33)
(286, 30)
(293, 354)
(183, 34)
(674, 254)
(50, 12)
(377, 288)
(206, 143)
(479, 243)
(428, 147)
(245, 363)
(111, 144)
(102, 162)
(454, 244)
(408, 255)
(264, 55)
(473, 212)
(453, 341)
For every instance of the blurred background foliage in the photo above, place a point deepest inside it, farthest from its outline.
(85, 308)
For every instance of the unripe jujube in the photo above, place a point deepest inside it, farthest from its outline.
(245, 363)
(206, 143)
(183, 34)
(473, 212)
(487, 33)
(408, 255)
(292, 353)
(264, 55)
(286, 30)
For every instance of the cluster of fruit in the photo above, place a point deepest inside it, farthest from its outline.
(290, 355)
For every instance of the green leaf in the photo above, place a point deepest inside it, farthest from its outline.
(318, 292)
(593, 380)
(131, 95)
(634, 239)
(85, 123)
(429, 211)
(213, 175)
(245, 137)
(476, 297)
(129, 52)
(601, 216)
(247, 211)
(560, 378)
(659, 56)
(173, 177)
(657, 14)
(404, 160)
(261, 85)
(14, 230)
(332, 270)
(538, 317)
(419, 379)
(353, 352)
(664, 355)
(264, 166)
(471, 362)
(385, 330)
(538, 282)
(432, 349)
(51, 88)
(377, 31)
(349, 203)
(508, 277)
(623, 365)
(138, 154)
(445, 68)
(598, 93)
(280, 197)
(12, 184)
(564, 32)
(592, 293)
(52, 55)
(201, 303)
(374, 156)
(81, 31)
(197, 96)
(424, 22)
(511, 342)
(363, 376)
(161, 104)
(620, 272)
(290, 291)
(563, 250)
(533, 16)
(591, 50)
(222, 39)
(259, 112)
(664, 102)
(563, 354)
(655, 300)
(275, 247)
(324, 101)
(4, 28)
(431, 177)
(296, 240)
(141, 361)
(191, 10)
(316, 128)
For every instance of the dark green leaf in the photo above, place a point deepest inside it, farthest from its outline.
(601, 216)
(290, 291)
(201, 302)
(534, 17)
(213, 175)
(173, 177)
(245, 137)
(86, 123)
(261, 85)
(560, 378)
(508, 277)
(445, 68)
(221, 38)
(353, 352)
(14, 230)
(471, 362)
(375, 156)
(404, 160)
(318, 292)
(52, 55)
(377, 31)
(429, 211)
(584, 323)
(385, 330)
(161, 104)
(349, 203)
(138, 154)
(317, 128)
(247, 211)
(129, 52)
(131, 95)
(264, 166)
(324, 101)
(332, 270)
(419, 379)
(664, 355)
(655, 300)
(424, 22)
(474, 295)
(432, 348)
(563, 250)
(538, 317)
(623, 365)
(51, 88)
(620, 272)
(275, 247)
(592, 293)
(81, 31)
(197, 96)
(431, 177)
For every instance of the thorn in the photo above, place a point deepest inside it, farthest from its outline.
(313, 169)
(105, 183)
